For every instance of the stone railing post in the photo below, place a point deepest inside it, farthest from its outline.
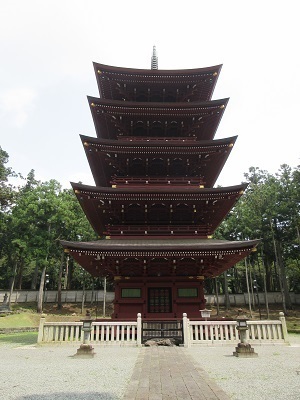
(186, 333)
(284, 328)
(139, 330)
(41, 329)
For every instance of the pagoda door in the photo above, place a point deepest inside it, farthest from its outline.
(159, 300)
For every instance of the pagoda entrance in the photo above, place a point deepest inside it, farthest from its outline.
(159, 300)
(162, 330)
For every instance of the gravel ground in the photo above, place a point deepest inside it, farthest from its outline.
(51, 373)
(272, 375)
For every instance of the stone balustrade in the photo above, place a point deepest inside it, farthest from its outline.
(104, 332)
(194, 332)
(223, 332)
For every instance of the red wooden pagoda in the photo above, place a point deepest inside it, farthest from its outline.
(154, 207)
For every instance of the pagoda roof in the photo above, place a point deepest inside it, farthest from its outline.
(126, 83)
(108, 158)
(117, 119)
(156, 211)
(208, 257)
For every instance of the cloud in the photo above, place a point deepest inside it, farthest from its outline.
(16, 105)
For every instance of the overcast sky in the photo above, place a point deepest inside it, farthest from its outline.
(47, 50)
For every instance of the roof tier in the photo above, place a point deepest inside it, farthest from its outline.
(177, 257)
(149, 211)
(130, 84)
(117, 119)
(127, 163)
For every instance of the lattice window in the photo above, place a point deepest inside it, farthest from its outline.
(159, 213)
(159, 300)
(177, 167)
(135, 214)
(183, 213)
(156, 167)
(137, 167)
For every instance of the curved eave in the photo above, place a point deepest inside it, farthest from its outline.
(202, 118)
(197, 146)
(157, 72)
(152, 108)
(211, 153)
(107, 76)
(211, 257)
(177, 245)
(88, 190)
(210, 206)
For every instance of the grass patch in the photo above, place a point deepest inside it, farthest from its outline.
(293, 324)
(19, 339)
(20, 320)
(25, 315)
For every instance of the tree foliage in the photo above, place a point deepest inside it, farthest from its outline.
(269, 210)
(6, 190)
(42, 214)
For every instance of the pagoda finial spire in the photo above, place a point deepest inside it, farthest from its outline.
(154, 59)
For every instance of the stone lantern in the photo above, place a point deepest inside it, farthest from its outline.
(205, 313)
(86, 349)
(244, 348)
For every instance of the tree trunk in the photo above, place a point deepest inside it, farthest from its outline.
(248, 289)
(226, 293)
(35, 276)
(43, 276)
(66, 273)
(93, 292)
(217, 295)
(265, 285)
(251, 285)
(41, 291)
(83, 299)
(298, 234)
(61, 267)
(69, 275)
(12, 283)
(282, 274)
(20, 275)
(286, 300)
(104, 298)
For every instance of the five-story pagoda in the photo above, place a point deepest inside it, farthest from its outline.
(154, 207)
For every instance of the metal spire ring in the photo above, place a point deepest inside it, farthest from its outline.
(154, 59)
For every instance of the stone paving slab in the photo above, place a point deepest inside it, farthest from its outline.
(169, 373)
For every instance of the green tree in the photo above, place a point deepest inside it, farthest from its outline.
(269, 210)
(6, 190)
(7, 194)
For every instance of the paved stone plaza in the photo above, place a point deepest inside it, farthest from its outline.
(170, 373)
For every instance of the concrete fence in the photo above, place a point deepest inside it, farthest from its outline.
(75, 296)
(242, 299)
(50, 296)
(194, 332)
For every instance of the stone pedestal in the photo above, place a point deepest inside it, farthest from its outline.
(4, 307)
(85, 350)
(244, 350)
